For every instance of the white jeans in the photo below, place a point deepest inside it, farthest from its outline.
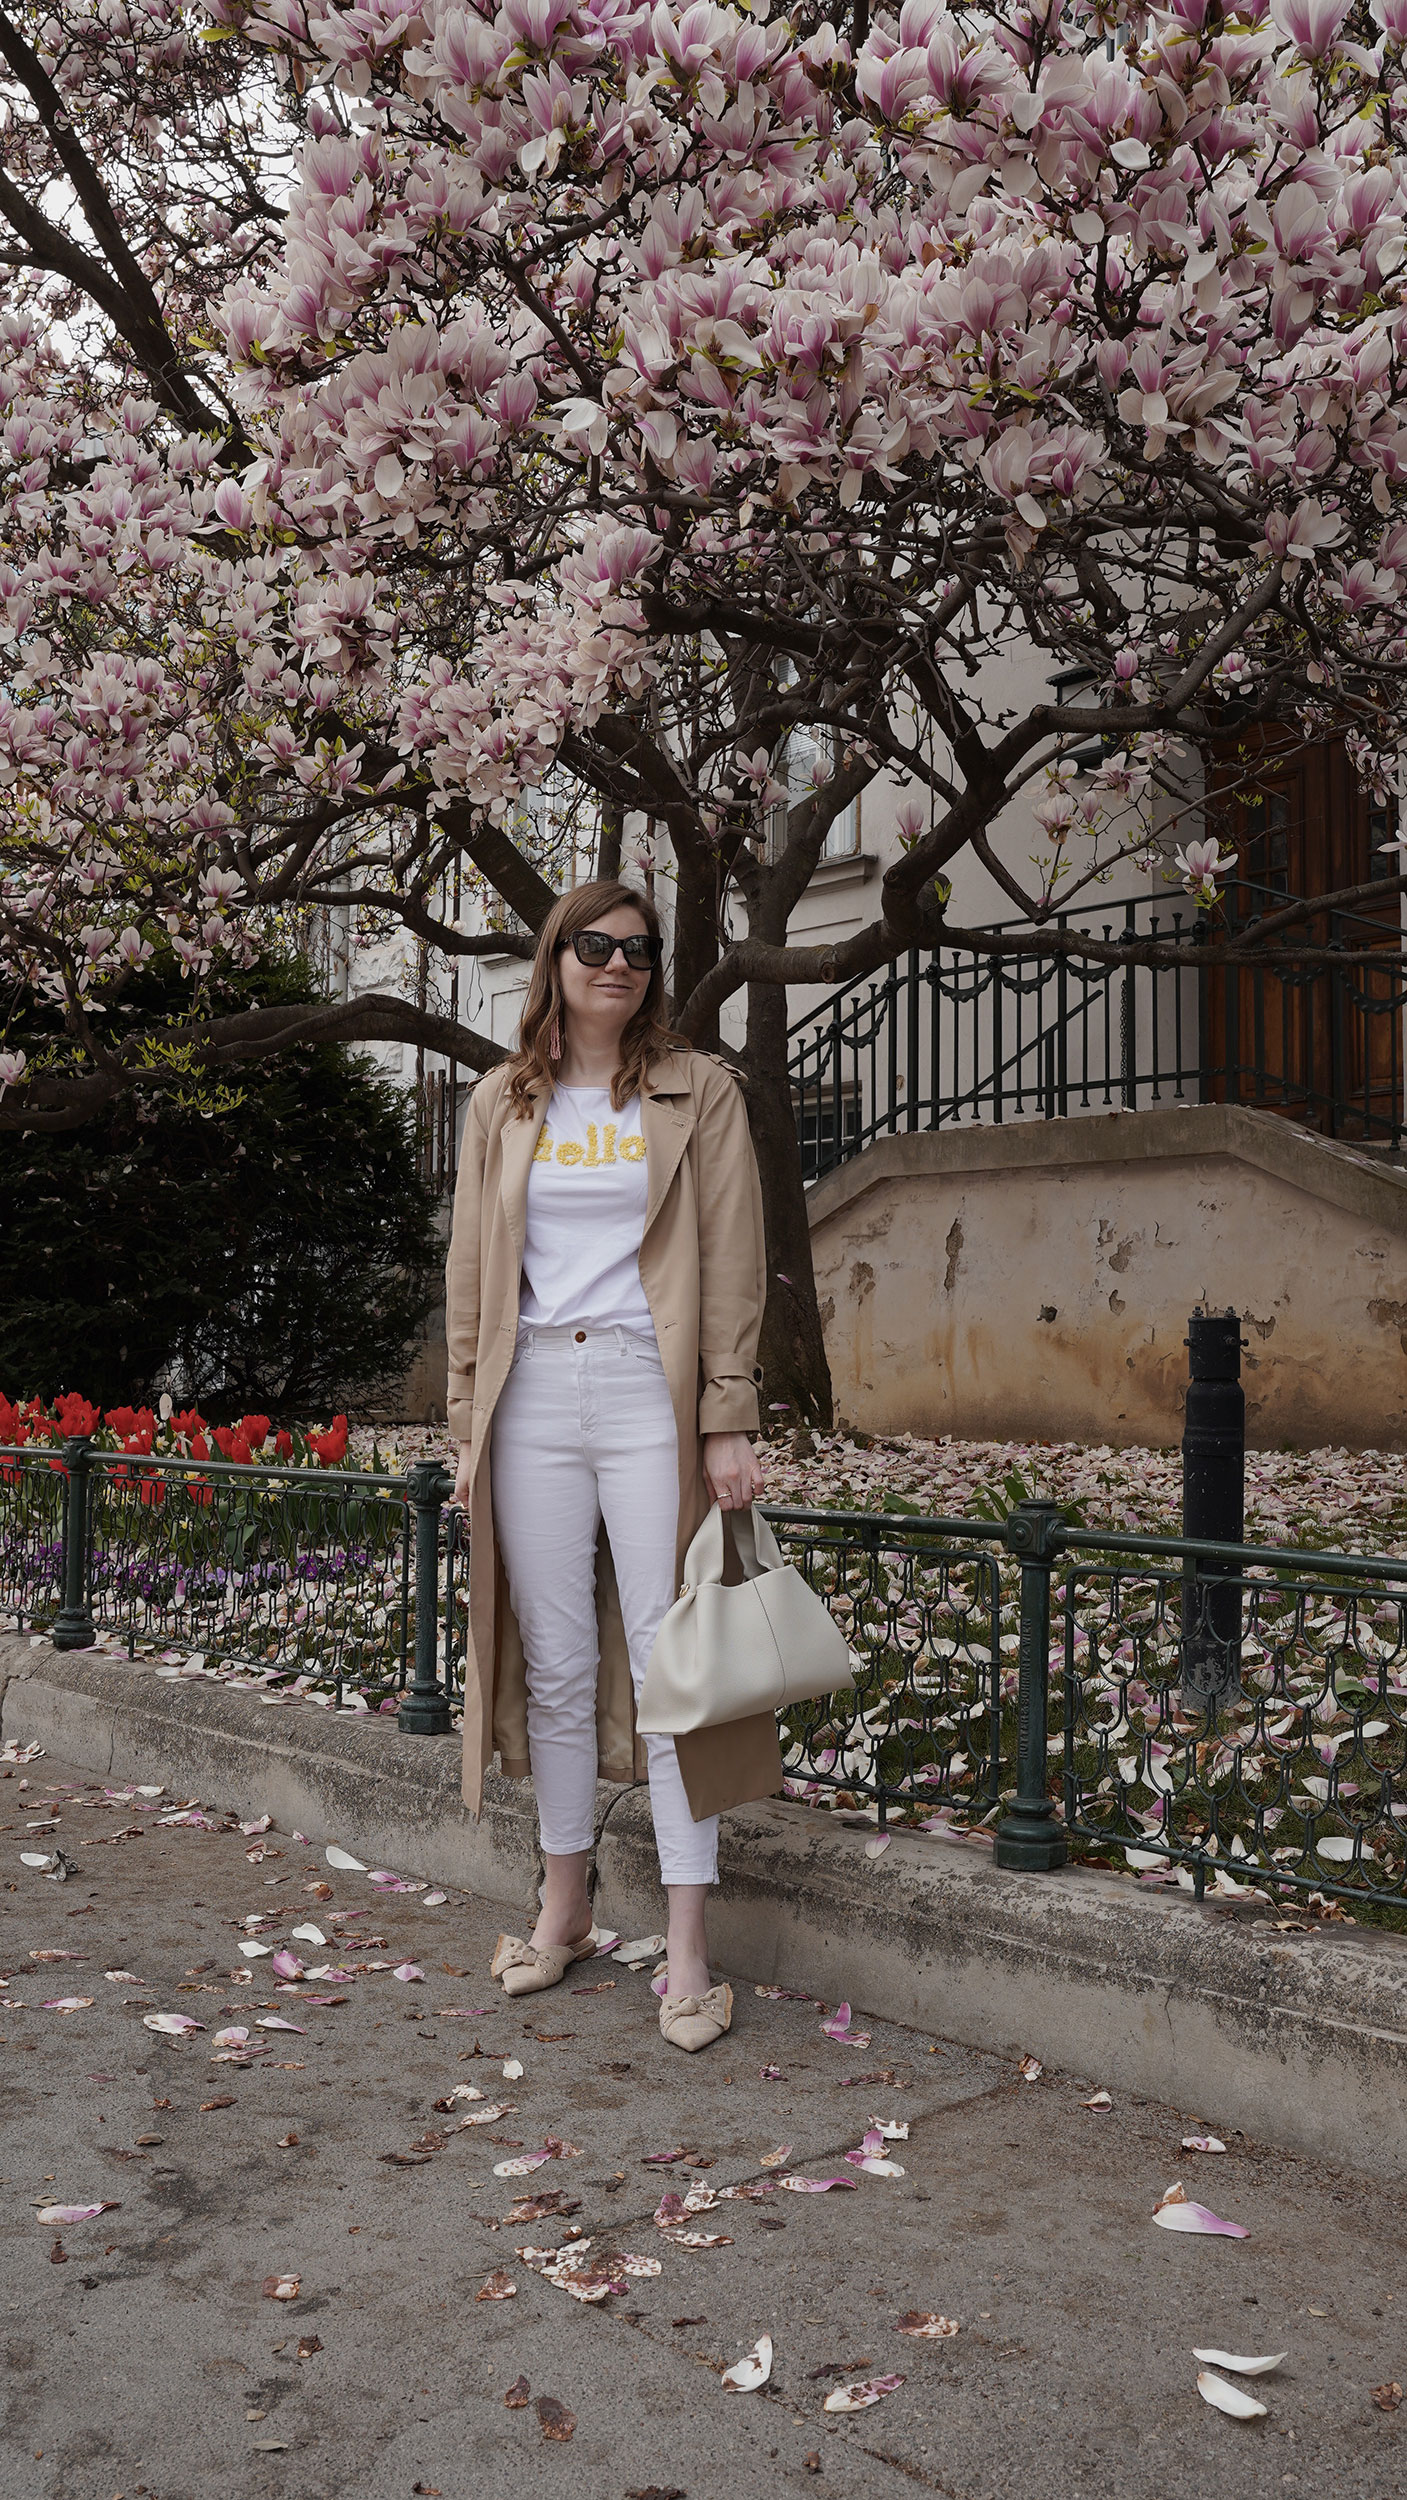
(584, 1430)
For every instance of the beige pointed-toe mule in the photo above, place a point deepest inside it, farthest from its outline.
(695, 2022)
(524, 1968)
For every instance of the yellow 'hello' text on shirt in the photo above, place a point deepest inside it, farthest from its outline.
(591, 1156)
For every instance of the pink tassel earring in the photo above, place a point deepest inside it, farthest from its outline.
(554, 1039)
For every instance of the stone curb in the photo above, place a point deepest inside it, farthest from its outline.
(1299, 2040)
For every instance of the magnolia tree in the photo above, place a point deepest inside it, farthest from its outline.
(405, 403)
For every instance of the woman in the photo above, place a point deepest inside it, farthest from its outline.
(604, 1295)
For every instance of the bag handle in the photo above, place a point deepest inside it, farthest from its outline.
(757, 1549)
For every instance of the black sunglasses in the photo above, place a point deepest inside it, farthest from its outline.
(595, 947)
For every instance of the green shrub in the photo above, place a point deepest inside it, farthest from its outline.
(277, 1255)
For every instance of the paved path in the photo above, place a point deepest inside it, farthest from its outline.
(144, 2358)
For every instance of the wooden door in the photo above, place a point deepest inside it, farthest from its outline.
(1323, 1045)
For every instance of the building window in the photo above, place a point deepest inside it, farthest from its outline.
(843, 839)
(795, 766)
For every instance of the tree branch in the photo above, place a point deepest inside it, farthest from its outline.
(66, 1102)
(127, 297)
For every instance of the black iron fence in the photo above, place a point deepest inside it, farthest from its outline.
(945, 1038)
(1041, 1684)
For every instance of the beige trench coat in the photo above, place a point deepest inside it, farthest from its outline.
(702, 1264)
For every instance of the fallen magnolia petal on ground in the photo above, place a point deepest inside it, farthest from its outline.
(434, 1900)
(66, 2005)
(557, 2422)
(1177, 2212)
(754, 2369)
(498, 2286)
(837, 2027)
(50, 2214)
(641, 1950)
(642, 2265)
(862, 2392)
(408, 1972)
(251, 1948)
(890, 2130)
(512, 2069)
(516, 2396)
(175, 2026)
(519, 2166)
(275, 2022)
(1031, 2070)
(926, 2322)
(288, 1965)
(869, 2156)
(1228, 2399)
(1103, 2100)
(1202, 2144)
(546, 2202)
(282, 2286)
(1388, 2397)
(774, 2159)
(344, 1862)
(811, 2187)
(1246, 2365)
(875, 1848)
(233, 2038)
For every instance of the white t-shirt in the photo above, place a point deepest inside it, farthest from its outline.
(587, 1191)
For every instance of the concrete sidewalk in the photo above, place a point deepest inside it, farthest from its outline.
(1300, 2038)
(147, 2361)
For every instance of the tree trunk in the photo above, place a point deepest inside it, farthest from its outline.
(695, 948)
(796, 1375)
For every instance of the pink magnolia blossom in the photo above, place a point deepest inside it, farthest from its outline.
(1201, 865)
(1311, 25)
(586, 334)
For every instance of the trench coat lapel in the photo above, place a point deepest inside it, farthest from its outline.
(666, 1119)
(519, 1137)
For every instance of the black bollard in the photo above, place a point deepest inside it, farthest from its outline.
(1213, 1507)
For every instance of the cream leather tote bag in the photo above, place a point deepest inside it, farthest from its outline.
(724, 1653)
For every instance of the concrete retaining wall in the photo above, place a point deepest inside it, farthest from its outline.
(1033, 1282)
(1299, 2039)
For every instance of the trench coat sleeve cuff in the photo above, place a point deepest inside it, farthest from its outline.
(729, 1404)
(460, 1409)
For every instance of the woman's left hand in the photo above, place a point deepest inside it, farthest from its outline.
(731, 1470)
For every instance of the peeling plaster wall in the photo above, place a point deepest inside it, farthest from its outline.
(1034, 1282)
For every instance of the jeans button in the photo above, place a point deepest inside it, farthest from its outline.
(581, 1336)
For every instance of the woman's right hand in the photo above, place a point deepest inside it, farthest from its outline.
(462, 1476)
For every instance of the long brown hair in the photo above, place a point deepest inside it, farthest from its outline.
(646, 1037)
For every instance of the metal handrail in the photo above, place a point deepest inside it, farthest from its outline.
(942, 1037)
